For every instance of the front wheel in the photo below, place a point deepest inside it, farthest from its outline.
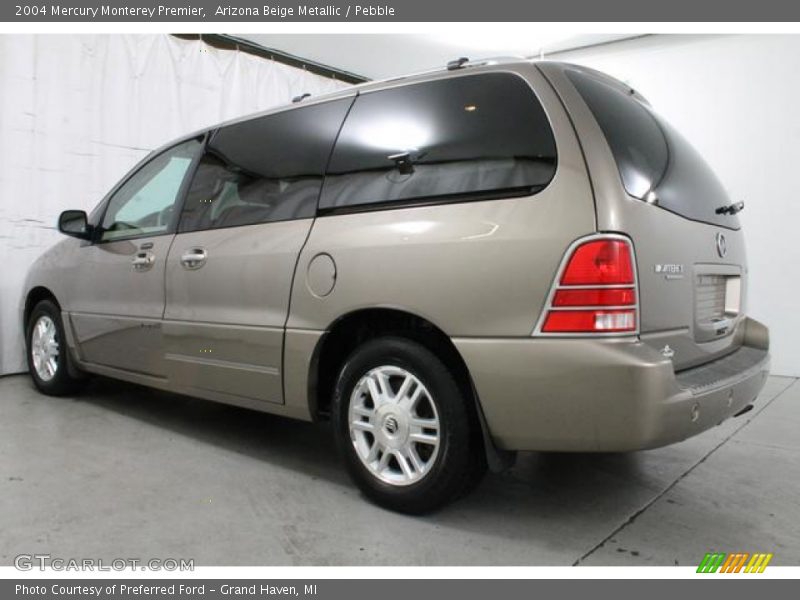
(408, 434)
(47, 351)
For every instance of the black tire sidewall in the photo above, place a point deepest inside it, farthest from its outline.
(452, 464)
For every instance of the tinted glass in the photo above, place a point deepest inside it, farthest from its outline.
(145, 204)
(472, 135)
(652, 157)
(262, 170)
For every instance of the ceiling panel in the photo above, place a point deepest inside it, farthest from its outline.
(378, 56)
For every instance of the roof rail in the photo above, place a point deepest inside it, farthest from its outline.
(463, 62)
(457, 63)
(497, 60)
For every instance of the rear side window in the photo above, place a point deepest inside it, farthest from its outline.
(655, 162)
(472, 136)
(263, 170)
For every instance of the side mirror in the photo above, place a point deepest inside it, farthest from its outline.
(74, 223)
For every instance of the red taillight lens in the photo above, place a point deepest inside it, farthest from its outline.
(595, 297)
(588, 321)
(600, 262)
(605, 302)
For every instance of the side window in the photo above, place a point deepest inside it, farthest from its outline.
(265, 169)
(470, 136)
(144, 205)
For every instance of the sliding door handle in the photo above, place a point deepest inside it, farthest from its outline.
(194, 258)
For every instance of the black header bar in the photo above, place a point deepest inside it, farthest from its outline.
(400, 11)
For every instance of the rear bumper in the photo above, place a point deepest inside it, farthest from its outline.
(606, 395)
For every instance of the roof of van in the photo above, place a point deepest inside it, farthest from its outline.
(454, 68)
(351, 91)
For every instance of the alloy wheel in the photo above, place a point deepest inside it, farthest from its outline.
(394, 425)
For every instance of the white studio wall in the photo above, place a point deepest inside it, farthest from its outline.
(735, 98)
(76, 112)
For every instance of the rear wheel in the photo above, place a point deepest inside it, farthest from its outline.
(407, 433)
(47, 352)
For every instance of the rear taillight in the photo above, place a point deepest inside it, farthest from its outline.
(601, 262)
(595, 291)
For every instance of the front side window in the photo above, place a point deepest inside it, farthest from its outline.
(145, 203)
(456, 138)
(264, 170)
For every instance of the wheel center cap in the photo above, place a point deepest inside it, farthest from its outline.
(390, 425)
(393, 429)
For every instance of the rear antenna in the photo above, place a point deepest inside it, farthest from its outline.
(456, 64)
(300, 98)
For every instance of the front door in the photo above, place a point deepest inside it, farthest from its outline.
(118, 293)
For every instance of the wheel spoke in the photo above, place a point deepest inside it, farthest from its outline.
(420, 423)
(424, 438)
(409, 402)
(363, 411)
(406, 385)
(412, 459)
(404, 465)
(412, 455)
(374, 392)
(383, 383)
(384, 461)
(372, 455)
(362, 426)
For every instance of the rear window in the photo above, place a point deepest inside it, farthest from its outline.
(655, 162)
(452, 139)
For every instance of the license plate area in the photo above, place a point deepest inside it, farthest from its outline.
(733, 295)
(718, 301)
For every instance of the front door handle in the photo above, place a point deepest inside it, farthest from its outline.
(194, 258)
(142, 261)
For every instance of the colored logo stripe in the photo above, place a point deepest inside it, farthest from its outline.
(758, 563)
(711, 562)
(734, 562)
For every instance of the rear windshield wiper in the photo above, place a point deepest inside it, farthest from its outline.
(730, 209)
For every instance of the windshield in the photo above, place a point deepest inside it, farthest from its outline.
(655, 162)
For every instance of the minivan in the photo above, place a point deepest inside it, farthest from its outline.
(451, 267)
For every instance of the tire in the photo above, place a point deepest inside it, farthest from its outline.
(421, 418)
(50, 377)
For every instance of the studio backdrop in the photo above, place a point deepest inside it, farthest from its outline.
(77, 112)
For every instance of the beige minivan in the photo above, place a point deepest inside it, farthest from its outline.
(451, 267)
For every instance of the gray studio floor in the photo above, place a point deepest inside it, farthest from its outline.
(127, 472)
